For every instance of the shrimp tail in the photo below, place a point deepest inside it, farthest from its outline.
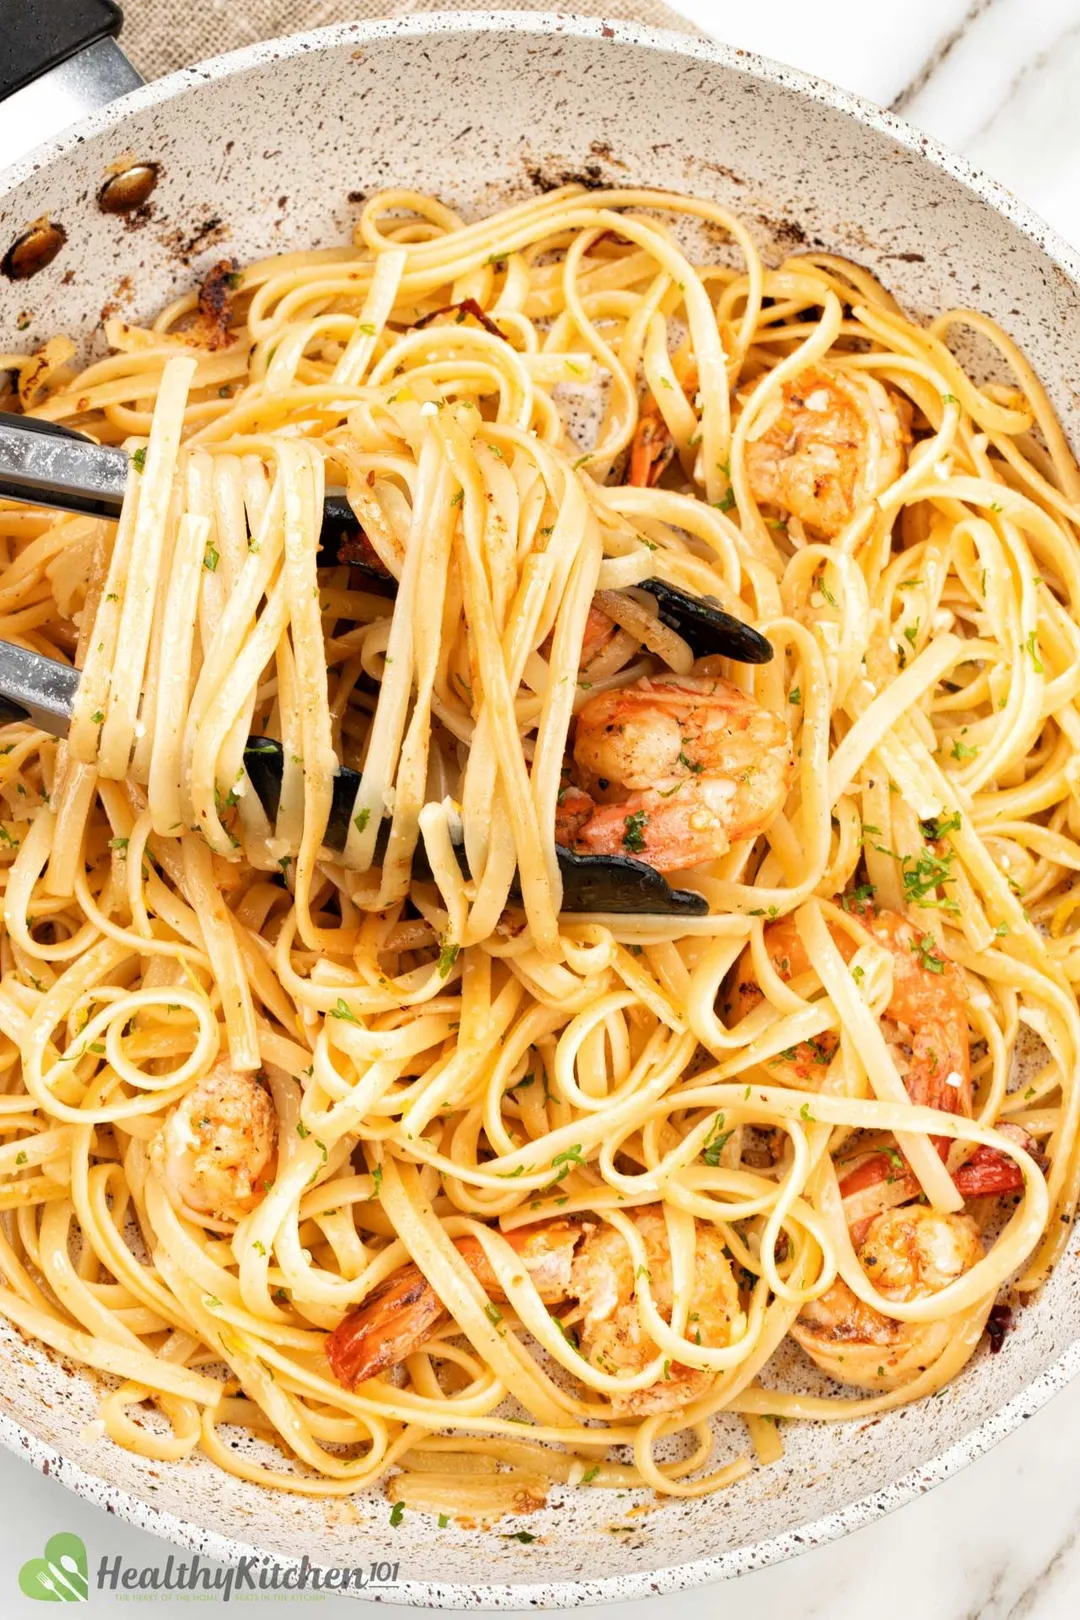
(652, 450)
(884, 1180)
(394, 1319)
(402, 1314)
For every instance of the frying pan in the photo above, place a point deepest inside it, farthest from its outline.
(273, 148)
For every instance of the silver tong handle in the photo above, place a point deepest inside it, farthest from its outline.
(51, 465)
(37, 689)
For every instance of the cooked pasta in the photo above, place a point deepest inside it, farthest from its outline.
(378, 1153)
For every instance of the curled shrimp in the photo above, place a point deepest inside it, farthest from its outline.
(926, 1028)
(567, 1261)
(401, 1314)
(835, 440)
(908, 1254)
(609, 1325)
(925, 1022)
(217, 1148)
(674, 770)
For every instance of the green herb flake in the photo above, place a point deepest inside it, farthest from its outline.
(634, 836)
(928, 959)
(717, 1140)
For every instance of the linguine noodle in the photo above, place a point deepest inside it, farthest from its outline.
(447, 1053)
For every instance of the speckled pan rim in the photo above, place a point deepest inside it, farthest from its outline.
(914, 1483)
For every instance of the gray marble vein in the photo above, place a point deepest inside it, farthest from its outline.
(947, 43)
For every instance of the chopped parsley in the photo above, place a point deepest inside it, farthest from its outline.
(448, 955)
(211, 558)
(139, 459)
(924, 950)
(922, 878)
(397, 1513)
(717, 1140)
(361, 819)
(343, 1010)
(936, 827)
(634, 836)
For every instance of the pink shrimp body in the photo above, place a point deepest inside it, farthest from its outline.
(679, 767)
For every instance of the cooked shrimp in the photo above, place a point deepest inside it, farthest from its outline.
(573, 809)
(611, 1333)
(566, 1260)
(925, 1023)
(882, 1180)
(679, 768)
(215, 1152)
(907, 1254)
(599, 630)
(926, 1028)
(401, 1314)
(836, 441)
(652, 449)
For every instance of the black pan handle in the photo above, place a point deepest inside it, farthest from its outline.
(37, 35)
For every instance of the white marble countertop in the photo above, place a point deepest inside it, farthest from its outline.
(996, 79)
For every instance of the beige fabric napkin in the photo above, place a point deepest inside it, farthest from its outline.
(160, 35)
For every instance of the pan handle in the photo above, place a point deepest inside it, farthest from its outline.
(58, 61)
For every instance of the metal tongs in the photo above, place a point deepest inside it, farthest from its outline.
(50, 465)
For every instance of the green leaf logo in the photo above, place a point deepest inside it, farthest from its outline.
(60, 1575)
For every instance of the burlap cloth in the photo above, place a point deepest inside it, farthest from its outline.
(160, 35)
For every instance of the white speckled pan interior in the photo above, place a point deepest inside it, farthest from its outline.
(259, 153)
